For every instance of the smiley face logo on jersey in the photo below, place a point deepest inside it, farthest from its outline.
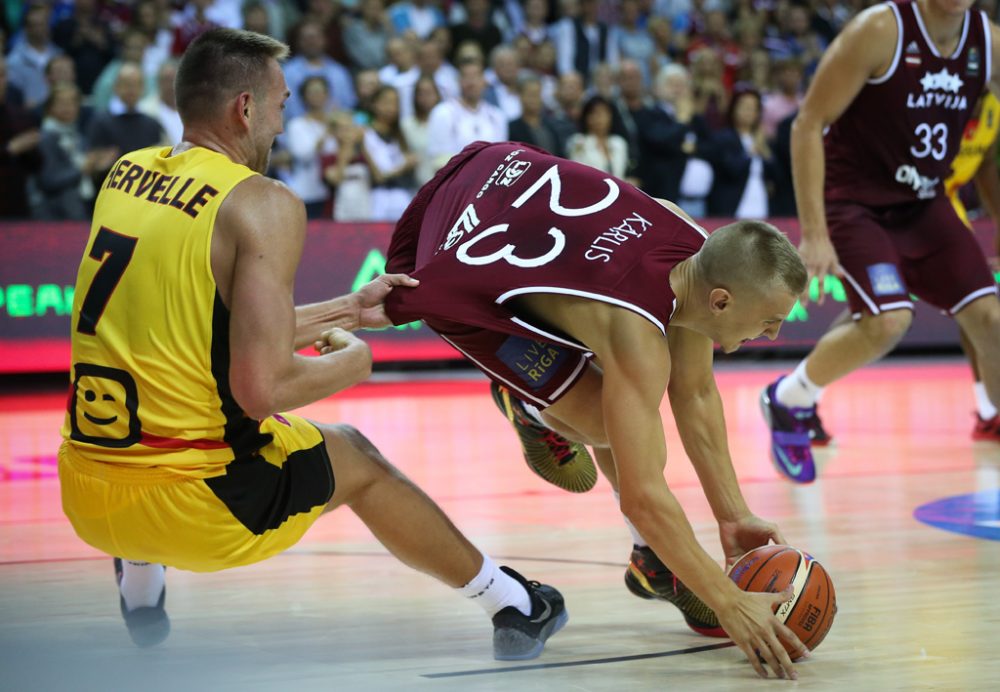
(103, 408)
(91, 396)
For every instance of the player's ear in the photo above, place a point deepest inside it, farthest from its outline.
(243, 105)
(718, 300)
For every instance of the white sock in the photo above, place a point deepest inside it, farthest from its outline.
(494, 590)
(797, 390)
(637, 538)
(984, 406)
(142, 584)
(533, 413)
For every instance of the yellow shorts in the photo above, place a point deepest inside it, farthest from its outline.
(260, 506)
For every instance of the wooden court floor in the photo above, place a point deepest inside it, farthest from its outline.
(919, 607)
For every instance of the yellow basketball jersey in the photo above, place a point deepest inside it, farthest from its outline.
(976, 140)
(150, 341)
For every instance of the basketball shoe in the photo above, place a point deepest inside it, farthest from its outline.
(818, 436)
(147, 626)
(516, 636)
(987, 428)
(790, 443)
(647, 577)
(550, 455)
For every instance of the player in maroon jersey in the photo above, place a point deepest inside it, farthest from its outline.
(559, 283)
(896, 90)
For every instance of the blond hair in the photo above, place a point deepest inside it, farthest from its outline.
(751, 254)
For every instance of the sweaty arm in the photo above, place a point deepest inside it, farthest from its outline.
(258, 242)
(697, 408)
(636, 363)
(864, 49)
(361, 309)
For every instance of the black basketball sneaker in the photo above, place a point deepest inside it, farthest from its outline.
(147, 626)
(516, 636)
(647, 577)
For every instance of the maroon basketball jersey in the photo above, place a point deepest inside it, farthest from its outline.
(895, 142)
(508, 220)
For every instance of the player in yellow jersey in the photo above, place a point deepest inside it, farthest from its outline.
(977, 162)
(184, 352)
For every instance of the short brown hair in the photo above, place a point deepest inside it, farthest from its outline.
(751, 254)
(220, 64)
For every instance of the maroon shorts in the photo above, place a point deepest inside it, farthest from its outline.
(921, 249)
(535, 370)
(539, 369)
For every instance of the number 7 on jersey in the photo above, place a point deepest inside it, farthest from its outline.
(115, 251)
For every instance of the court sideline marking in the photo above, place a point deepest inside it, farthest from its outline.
(574, 664)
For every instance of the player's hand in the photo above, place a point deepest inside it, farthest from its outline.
(336, 339)
(371, 299)
(743, 535)
(821, 261)
(750, 622)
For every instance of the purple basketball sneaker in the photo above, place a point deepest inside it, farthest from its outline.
(790, 444)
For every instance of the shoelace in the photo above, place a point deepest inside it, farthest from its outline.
(655, 574)
(559, 445)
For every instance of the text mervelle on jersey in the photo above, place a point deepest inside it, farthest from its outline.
(158, 188)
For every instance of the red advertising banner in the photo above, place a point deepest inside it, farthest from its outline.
(38, 264)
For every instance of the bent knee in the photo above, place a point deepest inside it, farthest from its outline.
(888, 328)
(355, 461)
(982, 315)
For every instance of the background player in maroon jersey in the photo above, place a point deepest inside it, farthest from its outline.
(558, 282)
(896, 90)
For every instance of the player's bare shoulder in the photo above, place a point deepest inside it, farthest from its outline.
(871, 39)
(261, 205)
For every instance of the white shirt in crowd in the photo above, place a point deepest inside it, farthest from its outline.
(415, 133)
(387, 202)
(446, 79)
(507, 99)
(307, 139)
(169, 119)
(753, 202)
(403, 83)
(453, 125)
(585, 149)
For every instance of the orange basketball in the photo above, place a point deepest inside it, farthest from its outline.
(771, 568)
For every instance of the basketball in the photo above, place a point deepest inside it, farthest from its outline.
(771, 568)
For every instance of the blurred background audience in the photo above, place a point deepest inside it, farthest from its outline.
(692, 100)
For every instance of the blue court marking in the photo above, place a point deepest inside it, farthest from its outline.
(976, 514)
(573, 664)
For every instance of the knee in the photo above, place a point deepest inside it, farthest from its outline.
(981, 319)
(888, 328)
(356, 462)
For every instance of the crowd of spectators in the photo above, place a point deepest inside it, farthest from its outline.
(689, 99)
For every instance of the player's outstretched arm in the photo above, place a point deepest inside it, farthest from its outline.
(697, 409)
(362, 309)
(864, 49)
(262, 225)
(636, 364)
